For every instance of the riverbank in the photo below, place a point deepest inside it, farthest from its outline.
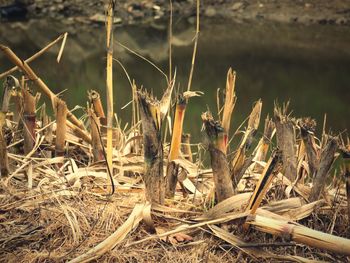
(130, 11)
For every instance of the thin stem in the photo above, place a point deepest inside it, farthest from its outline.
(170, 38)
(194, 49)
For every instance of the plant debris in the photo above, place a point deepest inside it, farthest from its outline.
(61, 202)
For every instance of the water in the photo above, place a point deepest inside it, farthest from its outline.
(308, 65)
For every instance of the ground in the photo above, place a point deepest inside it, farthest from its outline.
(135, 11)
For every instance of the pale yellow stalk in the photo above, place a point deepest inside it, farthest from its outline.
(109, 82)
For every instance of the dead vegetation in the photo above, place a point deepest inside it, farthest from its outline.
(265, 199)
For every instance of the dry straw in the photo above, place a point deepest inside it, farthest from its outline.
(57, 207)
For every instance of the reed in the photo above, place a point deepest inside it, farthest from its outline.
(109, 80)
(189, 84)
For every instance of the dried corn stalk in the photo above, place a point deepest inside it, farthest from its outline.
(177, 128)
(4, 163)
(230, 100)
(264, 142)
(97, 149)
(18, 109)
(241, 161)
(250, 250)
(10, 84)
(29, 118)
(219, 164)
(307, 129)
(81, 134)
(186, 146)
(153, 148)
(346, 172)
(286, 141)
(263, 183)
(109, 81)
(172, 169)
(38, 81)
(95, 100)
(61, 130)
(301, 234)
(36, 55)
(326, 159)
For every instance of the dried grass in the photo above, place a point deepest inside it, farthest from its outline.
(70, 217)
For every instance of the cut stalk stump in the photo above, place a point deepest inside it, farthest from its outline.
(61, 119)
(326, 159)
(153, 147)
(219, 164)
(346, 172)
(286, 141)
(172, 168)
(29, 119)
